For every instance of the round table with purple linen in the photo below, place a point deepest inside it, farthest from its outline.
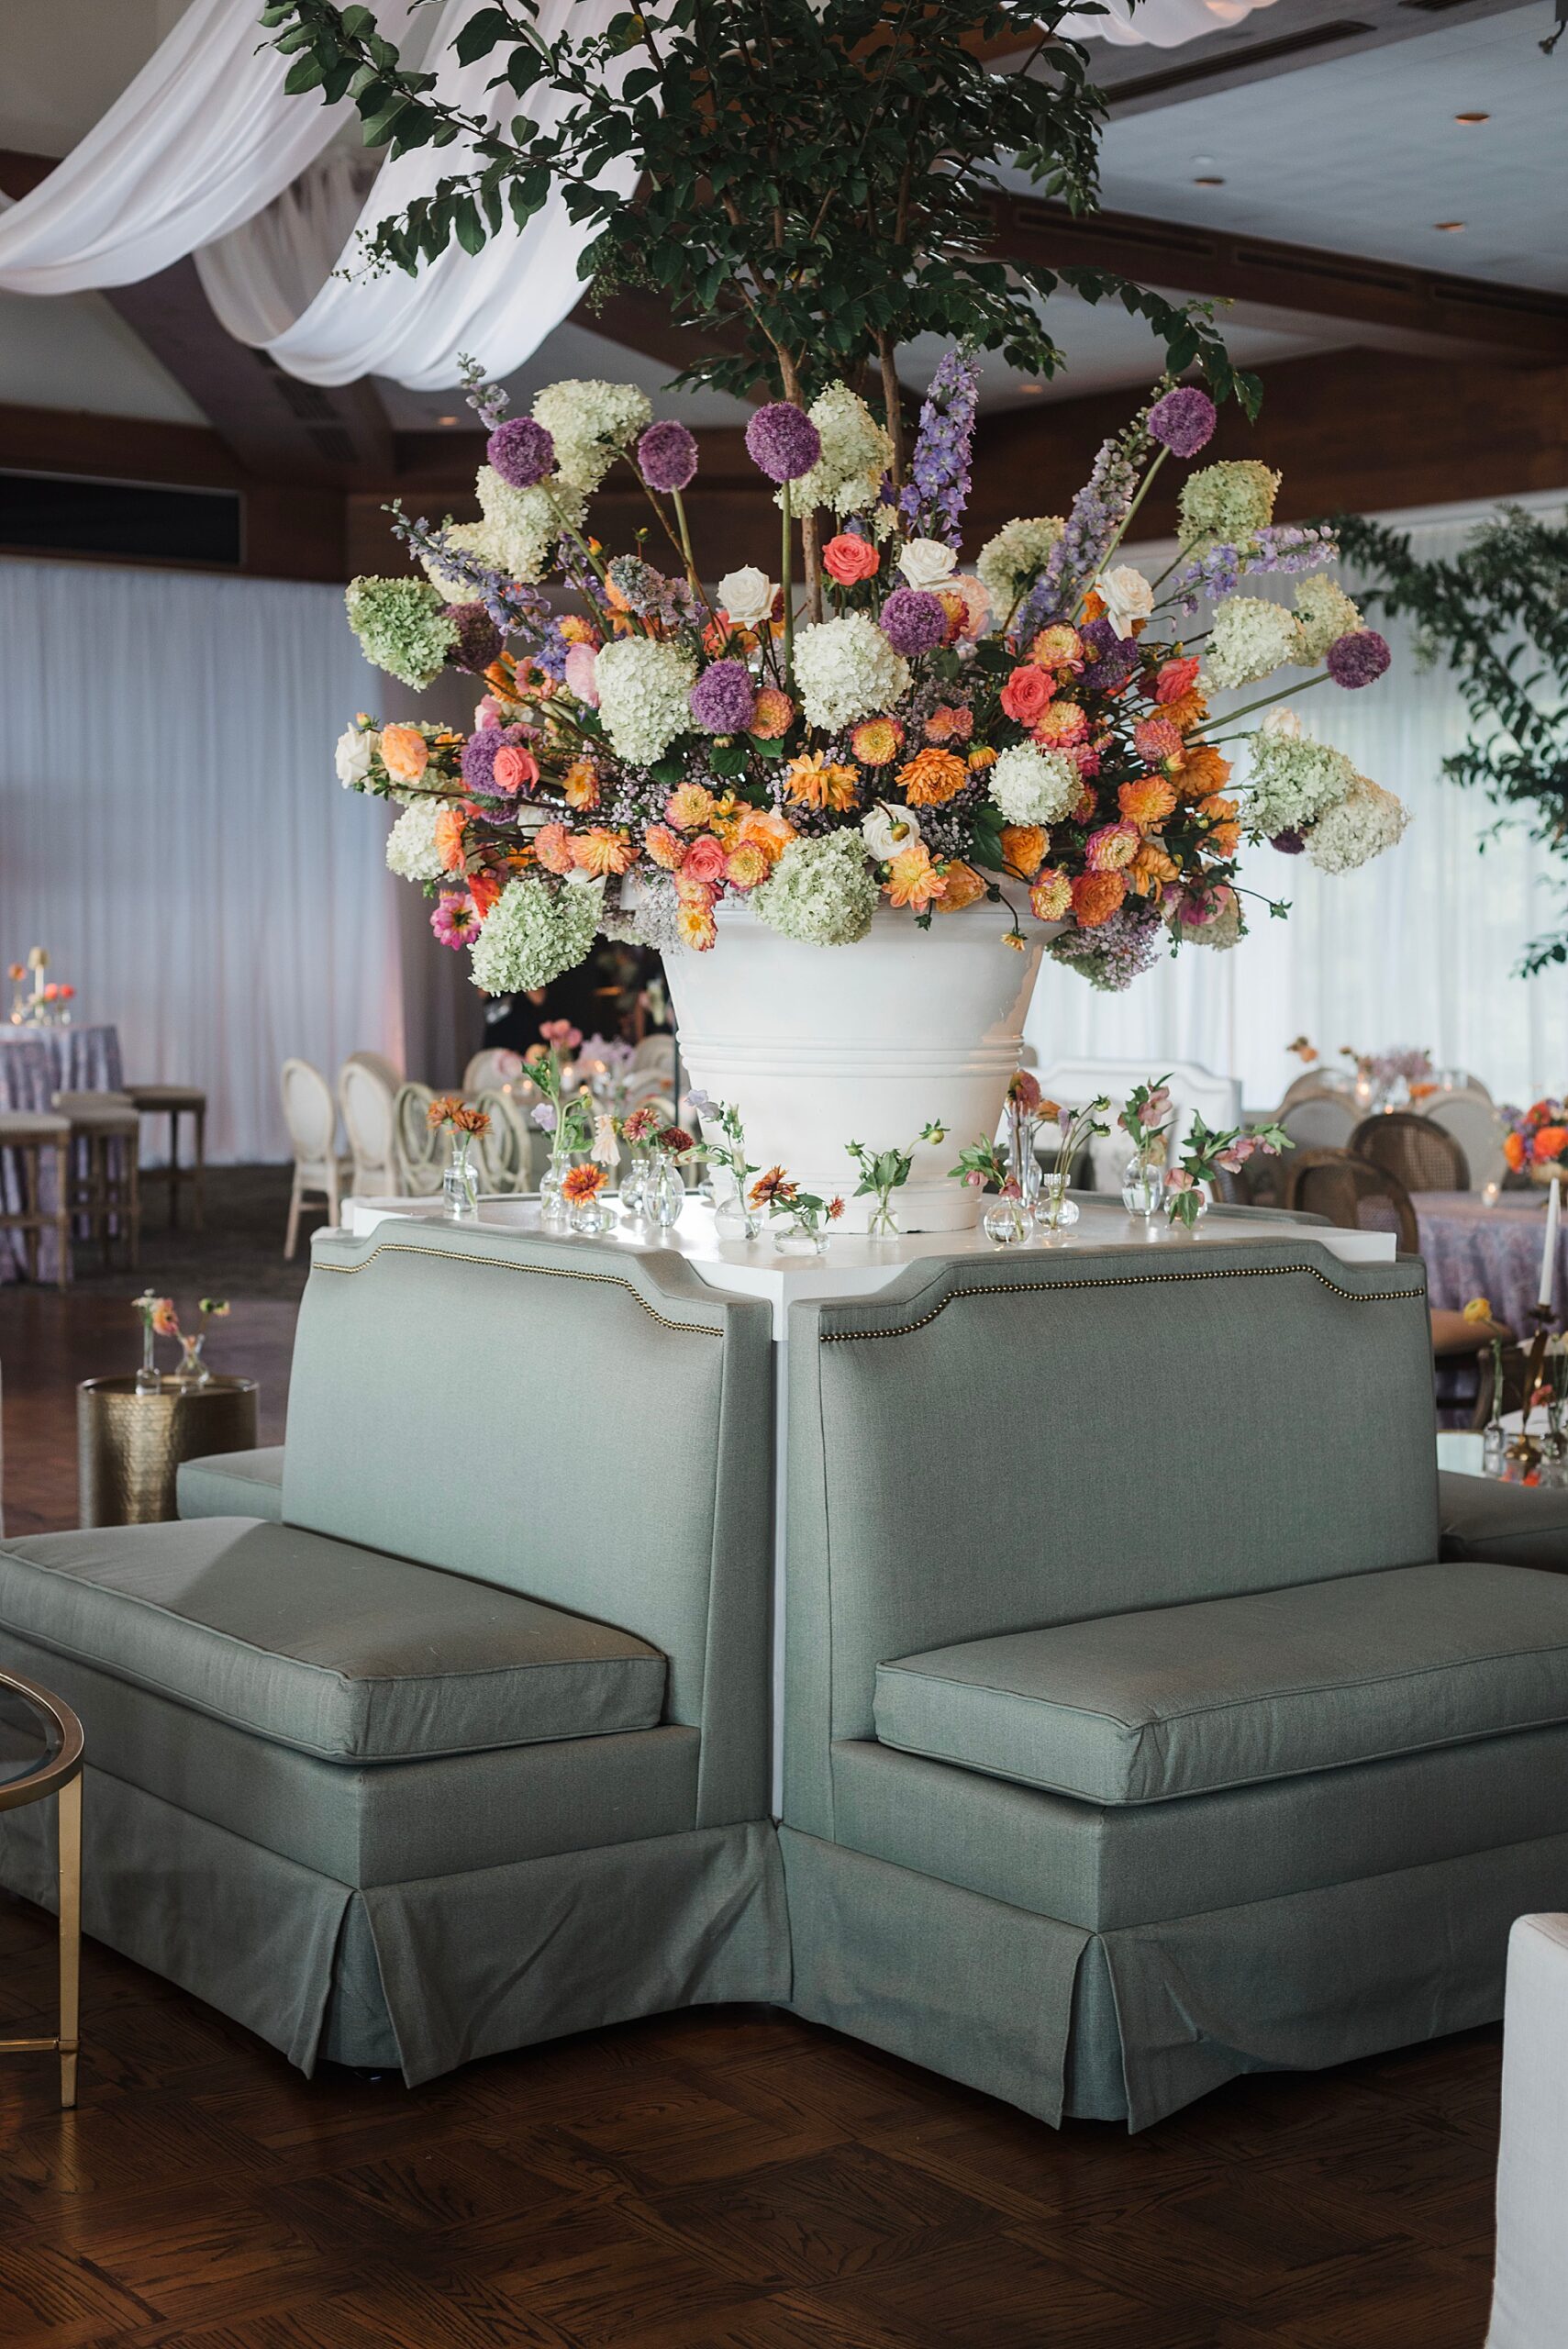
(1473, 1249)
(35, 1065)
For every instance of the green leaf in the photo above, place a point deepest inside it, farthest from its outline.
(481, 33)
(305, 73)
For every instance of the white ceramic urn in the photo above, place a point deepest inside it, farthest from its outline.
(822, 1045)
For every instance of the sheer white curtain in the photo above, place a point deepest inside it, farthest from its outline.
(170, 828)
(1418, 947)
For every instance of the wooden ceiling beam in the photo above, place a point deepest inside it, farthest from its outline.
(1510, 322)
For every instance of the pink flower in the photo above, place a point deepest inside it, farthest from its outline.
(515, 769)
(486, 713)
(1174, 678)
(1178, 1179)
(455, 920)
(581, 667)
(704, 861)
(561, 1034)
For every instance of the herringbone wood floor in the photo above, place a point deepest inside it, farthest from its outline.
(729, 2179)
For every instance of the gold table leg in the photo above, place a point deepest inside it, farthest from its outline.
(70, 1937)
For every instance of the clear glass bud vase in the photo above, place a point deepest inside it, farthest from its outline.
(1006, 1221)
(1054, 1211)
(552, 1206)
(192, 1370)
(460, 1185)
(664, 1193)
(1143, 1185)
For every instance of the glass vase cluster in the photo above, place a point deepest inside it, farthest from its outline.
(460, 1183)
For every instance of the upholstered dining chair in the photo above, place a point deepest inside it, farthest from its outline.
(1469, 1114)
(1352, 1192)
(1321, 1120)
(367, 1100)
(1307, 1086)
(311, 1116)
(489, 1069)
(418, 1156)
(1417, 1153)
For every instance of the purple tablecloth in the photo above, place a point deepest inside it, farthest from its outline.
(35, 1065)
(1472, 1250)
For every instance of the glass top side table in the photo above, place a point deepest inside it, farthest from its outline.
(40, 1753)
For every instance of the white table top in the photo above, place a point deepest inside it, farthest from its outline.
(854, 1265)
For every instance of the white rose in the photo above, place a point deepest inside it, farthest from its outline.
(1126, 596)
(887, 828)
(746, 595)
(925, 563)
(356, 748)
(1283, 723)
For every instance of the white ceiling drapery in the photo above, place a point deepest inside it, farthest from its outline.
(204, 153)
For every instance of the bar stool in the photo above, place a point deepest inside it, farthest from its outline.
(174, 1101)
(108, 1192)
(29, 1133)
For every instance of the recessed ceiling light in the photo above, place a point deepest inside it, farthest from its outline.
(1449, 227)
(1032, 391)
(446, 420)
(1209, 179)
(1472, 117)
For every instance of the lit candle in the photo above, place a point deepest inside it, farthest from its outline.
(1549, 1249)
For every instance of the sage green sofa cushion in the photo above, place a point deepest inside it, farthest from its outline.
(1178, 1700)
(341, 1652)
(233, 1484)
(1524, 1525)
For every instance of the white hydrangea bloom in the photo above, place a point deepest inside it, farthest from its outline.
(411, 851)
(1365, 823)
(356, 749)
(648, 915)
(1295, 780)
(822, 891)
(643, 696)
(469, 538)
(845, 670)
(521, 525)
(1250, 640)
(856, 452)
(1326, 613)
(1034, 786)
(533, 932)
(589, 420)
(1009, 561)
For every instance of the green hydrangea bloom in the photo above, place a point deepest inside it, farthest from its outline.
(533, 932)
(822, 892)
(403, 627)
(1226, 504)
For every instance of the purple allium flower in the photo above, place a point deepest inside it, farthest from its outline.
(478, 760)
(1184, 420)
(933, 499)
(914, 621)
(1359, 659)
(781, 440)
(454, 922)
(724, 698)
(1112, 658)
(521, 452)
(478, 637)
(1289, 843)
(667, 455)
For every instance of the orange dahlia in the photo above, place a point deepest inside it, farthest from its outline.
(1514, 1151)
(484, 889)
(1058, 647)
(984, 757)
(931, 777)
(765, 828)
(689, 806)
(1061, 727)
(1112, 848)
(746, 865)
(1201, 769)
(449, 838)
(913, 880)
(581, 784)
(1147, 801)
(950, 724)
(582, 1183)
(554, 849)
(1186, 710)
(1224, 832)
(814, 781)
(665, 847)
(877, 741)
(603, 851)
(1050, 899)
(1549, 1143)
(773, 715)
(693, 921)
(1023, 848)
(1096, 897)
(1151, 869)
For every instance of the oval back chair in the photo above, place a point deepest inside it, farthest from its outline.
(1321, 1121)
(1352, 1192)
(1471, 1117)
(1419, 1154)
(419, 1155)
(311, 1116)
(367, 1099)
(487, 1070)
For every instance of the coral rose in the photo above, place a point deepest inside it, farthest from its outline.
(404, 753)
(765, 828)
(1096, 897)
(1023, 848)
(1147, 801)
(963, 887)
(931, 777)
(1051, 897)
(1550, 1143)
(1026, 694)
(850, 559)
(515, 769)
(704, 861)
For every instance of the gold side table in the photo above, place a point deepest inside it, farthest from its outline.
(40, 1753)
(129, 1441)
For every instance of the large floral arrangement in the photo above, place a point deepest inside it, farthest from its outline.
(1033, 730)
(1536, 1139)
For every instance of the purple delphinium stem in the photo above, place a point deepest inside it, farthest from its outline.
(932, 500)
(516, 608)
(1098, 512)
(1218, 569)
